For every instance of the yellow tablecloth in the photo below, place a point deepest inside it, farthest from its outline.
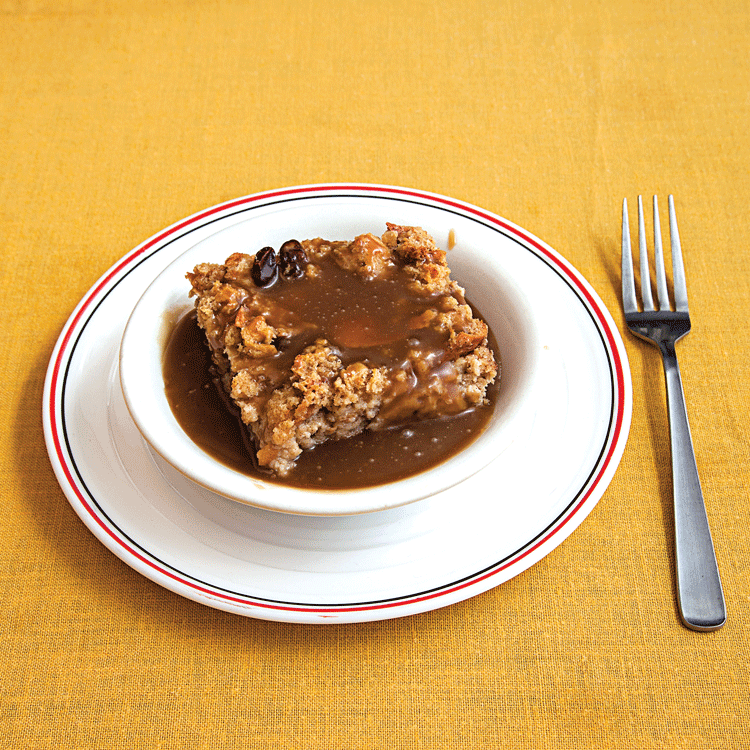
(119, 118)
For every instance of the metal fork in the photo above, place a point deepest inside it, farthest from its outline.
(699, 591)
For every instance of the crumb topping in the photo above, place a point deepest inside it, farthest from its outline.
(325, 339)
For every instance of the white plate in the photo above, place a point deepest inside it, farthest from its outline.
(349, 568)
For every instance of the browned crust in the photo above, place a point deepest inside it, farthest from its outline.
(320, 398)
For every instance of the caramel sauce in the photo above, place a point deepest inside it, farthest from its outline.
(348, 310)
(369, 459)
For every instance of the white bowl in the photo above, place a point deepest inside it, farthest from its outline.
(477, 264)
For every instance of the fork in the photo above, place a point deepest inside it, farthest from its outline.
(699, 592)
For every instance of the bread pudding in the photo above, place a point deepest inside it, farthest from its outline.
(324, 339)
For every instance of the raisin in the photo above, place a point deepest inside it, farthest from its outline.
(292, 259)
(265, 271)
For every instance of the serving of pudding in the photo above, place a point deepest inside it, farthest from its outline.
(331, 377)
(336, 363)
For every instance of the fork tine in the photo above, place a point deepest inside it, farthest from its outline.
(662, 295)
(648, 300)
(629, 301)
(678, 268)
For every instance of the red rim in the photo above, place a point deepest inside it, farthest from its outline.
(126, 550)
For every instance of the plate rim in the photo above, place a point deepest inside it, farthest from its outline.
(588, 495)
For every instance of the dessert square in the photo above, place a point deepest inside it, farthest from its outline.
(324, 339)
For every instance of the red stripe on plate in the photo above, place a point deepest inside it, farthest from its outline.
(196, 218)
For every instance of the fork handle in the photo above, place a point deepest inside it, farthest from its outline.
(699, 590)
